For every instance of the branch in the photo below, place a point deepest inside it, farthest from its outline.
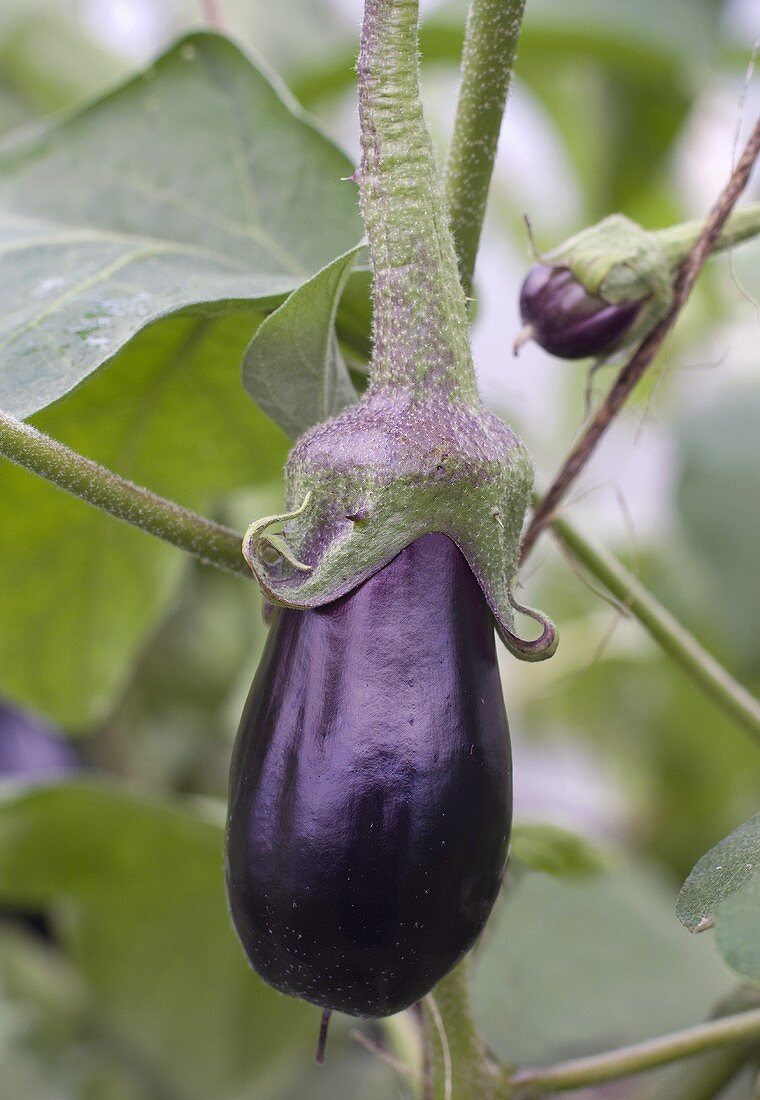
(594, 1070)
(666, 630)
(648, 348)
(493, 27)
(704, 1076)
(80, 476)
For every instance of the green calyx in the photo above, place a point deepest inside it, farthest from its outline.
(620, 262)
(418, 453)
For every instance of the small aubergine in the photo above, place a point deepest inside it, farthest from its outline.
(370, 789)
(567, 320)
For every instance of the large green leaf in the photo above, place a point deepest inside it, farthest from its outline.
(293, 368)
(573, 966)
(723, 889)
(138, 887)
(718, 448)
(738, 930)
(80, 590)
(725, 869)
(193, 186)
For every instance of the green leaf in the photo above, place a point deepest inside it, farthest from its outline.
(554, 851)
(194, 186)
(718, 447)
(293, 368)
(723, 871)
(738, 930)
(138, 885)
(81, 591)
(575, 966)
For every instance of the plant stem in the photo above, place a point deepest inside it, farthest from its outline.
(625, 1062)
(462, 1069)
(742, 225)
(703, 1077)
(421, 337)
(645, 353)
(493, 28)
(666, 630)
(113, 494)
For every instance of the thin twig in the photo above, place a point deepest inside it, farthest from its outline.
(649, 347)
(614, 1064)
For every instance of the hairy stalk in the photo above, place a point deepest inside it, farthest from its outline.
(462, 1069)
(113, 494)
(627, 1061)
(493, 28)
(645, 353)
(421, 339)
(733, 699)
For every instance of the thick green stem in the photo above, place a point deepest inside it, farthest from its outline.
(421, 339)
(462, 1069)
(123, 499)
(678, 240)
(613, 1064)
(677, 642)
(493, 28)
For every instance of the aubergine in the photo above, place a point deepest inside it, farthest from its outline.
(370, 788)
(568, 321)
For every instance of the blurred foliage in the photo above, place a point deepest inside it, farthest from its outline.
(572, 966)
(139, 991)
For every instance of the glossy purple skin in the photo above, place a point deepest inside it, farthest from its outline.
(31, 750)
(370, 789)
(567, 321)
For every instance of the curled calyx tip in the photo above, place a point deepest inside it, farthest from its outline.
(258, 539)
(542, 647)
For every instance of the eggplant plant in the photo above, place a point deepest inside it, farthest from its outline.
(367, 837)
(370, 794)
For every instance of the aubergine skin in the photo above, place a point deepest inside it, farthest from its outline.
(567, 320)
(370, 788)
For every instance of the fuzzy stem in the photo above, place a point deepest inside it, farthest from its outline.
(678, 240)
(493, 28)
(462, 1069)
(421, 340)
(613, 1064)
(666, 630)
(101, 487)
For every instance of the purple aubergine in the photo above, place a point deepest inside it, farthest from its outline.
(370, 789)
(566, 320)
